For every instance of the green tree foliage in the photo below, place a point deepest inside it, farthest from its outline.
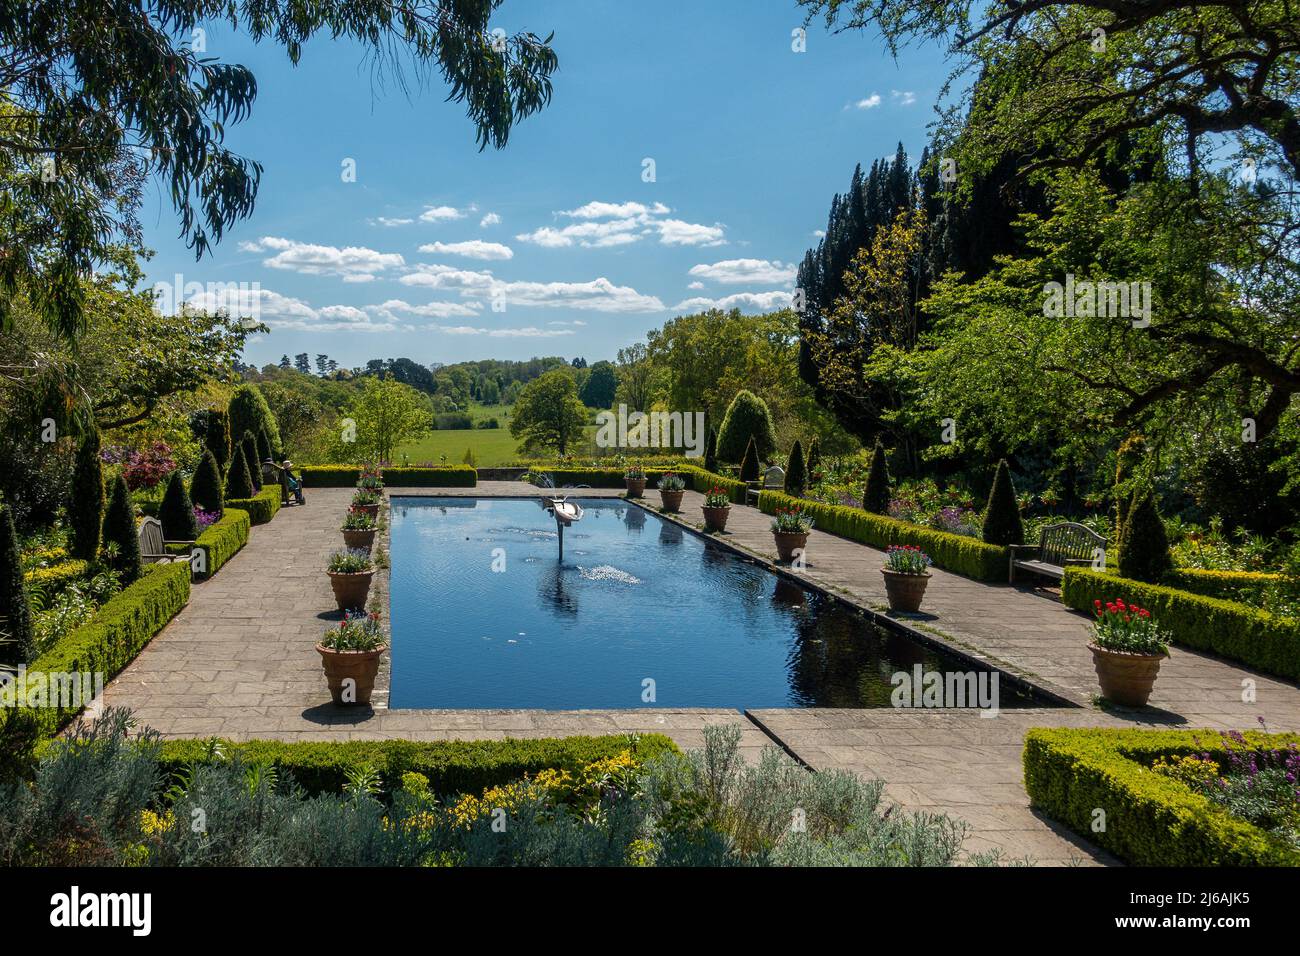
(747, 417)
(239, 484)
(387, 413)
(814, 456)
(176, 513)
(249, 412)
(876, 494)
(206, 485)
(264, 447)
(121, 539)
(16, 640)
(86, 504)
(749, 465)
(1129, 459)
(711, 451)
(1002, 523)
(252, 463)
(217, 435)
(796, 475)
(548, 412)
(1143, 545)
(601, 384)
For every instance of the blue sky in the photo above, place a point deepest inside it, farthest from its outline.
(554, 245)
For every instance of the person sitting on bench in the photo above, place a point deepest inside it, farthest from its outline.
(295, 484)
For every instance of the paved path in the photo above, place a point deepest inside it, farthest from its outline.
(239, 662)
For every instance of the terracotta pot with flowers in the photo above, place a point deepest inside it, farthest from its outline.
(672, 487)
(1127, 648)
(790, 528)
(358, 530)
(717, 508)
(350, 571)
(366, 501)
(350, 656)
(371, 480)
(634, 478)
(906, 573)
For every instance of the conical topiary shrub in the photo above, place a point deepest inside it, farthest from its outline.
(206, 485)
(249, 447)
(249, 412)
(120, 531)
(814, 456)
(875, 497)
(1128, 459)
(747, 417)
(238, 482)
(1143, 545)
(17, 645)
(264, 450)
(711, 451)
(1002, 513)
(749, 465)
(796, 478)
(217, 437)
(86, 507)
(176, 511)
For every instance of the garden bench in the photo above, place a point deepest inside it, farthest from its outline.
(1059, 545)
(153, 548)
(773, 480)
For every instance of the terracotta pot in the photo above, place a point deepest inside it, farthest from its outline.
(371, 510)
(715, 519)
(905, 590)
(359, 667)
(787, 542)
(350, 590)
(357, 538)
(1126, 678)
(635, 487)
(672, 499)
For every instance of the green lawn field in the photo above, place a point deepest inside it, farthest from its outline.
(492, 446)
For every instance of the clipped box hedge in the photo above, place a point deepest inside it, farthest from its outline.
(222, 539)
(1150, 819)
(702, 481)
(1229, 585)
(53, 579)
(952, 552)
(453, 766)
(346, 476)
(1227, 628)
(261, 507)
(115, 635)
(697, 478)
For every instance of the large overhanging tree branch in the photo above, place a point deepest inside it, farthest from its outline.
(88, 87)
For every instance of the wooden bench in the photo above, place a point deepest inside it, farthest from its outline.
(1059, 545)
(153, 547)
(773, 480)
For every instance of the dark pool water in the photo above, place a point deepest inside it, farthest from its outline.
(635, 599)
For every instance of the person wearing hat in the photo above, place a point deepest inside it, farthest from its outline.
(295, 484)
(270, 472)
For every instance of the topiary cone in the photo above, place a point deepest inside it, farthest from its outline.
(1002, 523)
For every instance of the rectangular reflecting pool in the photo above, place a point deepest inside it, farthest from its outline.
(640, 613)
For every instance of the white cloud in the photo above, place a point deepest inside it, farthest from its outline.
(491, 219)
(386, 221)
(607, 210)
(597, 295)
(615, 232)
(526, 332)
(674, 232)
(696, 285)
(819, 233)
(473, 249)
(745, 301)
(869, 103)
(284, 312)
(575, 322)
(430, 310)
(607, 224)
(903, 97)
(730, 271)
(443, 213)
(351, 263)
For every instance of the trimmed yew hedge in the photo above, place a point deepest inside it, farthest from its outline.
(261, 507)
(1227, 628)
(952, 552)
(1150, 819)
(702, 480)
(115, 635)
(1228, 585)
(436, 476)
(698, 479)
(452, 766)
(222, 539)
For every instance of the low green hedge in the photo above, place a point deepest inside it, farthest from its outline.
(115, 635)
(436, 476)
(56, 577)
(1227, 628)
(453, 766)
(1150, 819)
(222, 539)
(1229, 585)
(261, 507)
(702, 481)
(697, 478)
(952, 552)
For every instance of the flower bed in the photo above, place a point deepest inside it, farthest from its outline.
(53, 579)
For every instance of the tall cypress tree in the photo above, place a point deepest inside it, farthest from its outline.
(814, 456)
(206, 485)
(17, 644)
(264, 450)
(120, 530)
(252, 463)
(1002, 523)
(217, 438)
(86, 508)
(1128, 459)
(796, 477)
(875, 497)
(176, 512)
(749, 465)
(238, 483)
(711, 451)
(1143, 544)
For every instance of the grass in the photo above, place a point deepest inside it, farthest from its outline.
(492, 446)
